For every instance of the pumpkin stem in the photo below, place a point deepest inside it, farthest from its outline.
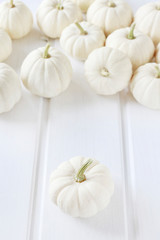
(83, 32)
(104, 72)
(12, 4)
(158, 72)
(111, 4)
(59, 5)
(46, 54)
(80, 177)
(131, 33)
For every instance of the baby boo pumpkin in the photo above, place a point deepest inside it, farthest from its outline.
(81, 187)
(46, 72)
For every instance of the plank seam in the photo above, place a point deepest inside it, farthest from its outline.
(128, 171)
(41, 130)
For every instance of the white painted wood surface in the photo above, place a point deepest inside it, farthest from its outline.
(37, 135)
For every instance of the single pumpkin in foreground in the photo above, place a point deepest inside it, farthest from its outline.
(81, 187)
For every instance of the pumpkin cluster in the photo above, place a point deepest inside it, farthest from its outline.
(117, 47)
(119, 50)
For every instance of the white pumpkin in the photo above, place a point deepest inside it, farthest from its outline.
(54, 15)
(108, 70)
(158, 53)
(83, 4)
(145, 85)
(138, 46)
(147, 19)
(81, 187)
(80, 39)
(5, 45)
(15, 18)
(46, 72)
(110, 15)
(10, 88)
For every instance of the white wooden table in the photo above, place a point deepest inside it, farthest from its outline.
(37, 135)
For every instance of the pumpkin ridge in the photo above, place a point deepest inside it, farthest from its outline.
(90, 194)
(61, 191)
(154, 23)
(146, 90)
(28, 73)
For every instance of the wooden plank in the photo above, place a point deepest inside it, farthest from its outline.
(81, 123)
(17, 144)
(144, 133)
(115, 130)
(17, 149)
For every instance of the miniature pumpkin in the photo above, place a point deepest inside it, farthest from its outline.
(145, 85)
(80, 39)
(138, 46)
(5, 45)
(15, 18)
(108, 70)
(54, 15)
(81, 187)
(110, 14)
(46, 72)
(10, 88)
(147, 19)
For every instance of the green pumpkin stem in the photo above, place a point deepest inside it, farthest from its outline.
(46, 54)
(158, 72)
(111, 4)
(12, 4)
(80, 177)
(104, 72)
(59, 5)
(83, 32)
(131, 33)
